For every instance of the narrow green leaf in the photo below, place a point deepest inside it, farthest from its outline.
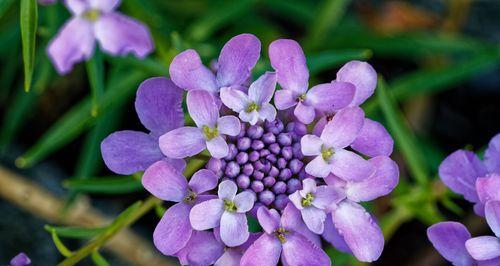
(4, 6)
(327, 59)
(105, 185)
(75, 232)
(95, 73)
(98, 259)
(29, 23)
(59, 244)
(404, 139)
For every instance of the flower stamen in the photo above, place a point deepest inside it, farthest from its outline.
(327, 153)
(190, 197)
(210, 133)
(281, 234)
(307, 201)
(92, 15)
(229, 206)
(252, 106)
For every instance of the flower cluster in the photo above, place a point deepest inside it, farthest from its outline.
(479, 182)
(300, 166)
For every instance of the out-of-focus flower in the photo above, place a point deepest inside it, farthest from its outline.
(20, 259)
(94, 20)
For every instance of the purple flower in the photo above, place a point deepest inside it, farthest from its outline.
(20, 259)
(237, 58)
(201, 249)
(158, 105)
(228, 212)
(487, 247)
(255, 106)
(165, 182)
(281, 239)
(329, 148)
(288, 59)
(189, 141)
(232, 255)
(313, 203)
(97, 20)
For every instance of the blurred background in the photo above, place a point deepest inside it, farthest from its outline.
(440, 60)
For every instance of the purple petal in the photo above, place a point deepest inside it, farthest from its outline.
(188, 72)
(77, 7)
(262, 90)
(265, 251)
(320, 125)
(158, 105)
(373, 140)
(492, 262)
(314, 219)
(227, 190)
(207, 214)
(350, 166)
(174, 230)
(492, 155)
(267, 112)
(237, 58)
(344, 127)
(202, 249)
(218, 147)
(297, 250)
(296, 199)
(304, 113)
(308, 186)
(233, 229)
(449, 240)
(252, 118)
(284, 99)
(360, 232)
(73, 43)
(182, 142)
(20, 259)
(289, 61)
(492, 211)
(244, 201)
(364, 78)
(459, 172)
(120, 35)
(325, 196)
(268, 219)
(203, 180)
(235, 99)
(332, 235)
(231, 257)
(202, 108)
(380, 183)
(291, 217)
(488, 188)
(126, 152)
(330, 96)
(229, 125)
(483, 247)
(104, 5)
(165, 182)
(318, 167)
(311, 145)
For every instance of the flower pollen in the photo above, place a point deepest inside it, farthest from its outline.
(307, 201)
(190, 197)
(301, 97)
(281, 234)
(229, 206)
(252, 107)
(327, 153)
(210, 133)
(92, 15)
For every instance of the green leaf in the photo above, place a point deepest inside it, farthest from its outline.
(328, 59)
(4, 6)
(105, 185)
(404, 139)
(75, 232)
(59, 244)
(98, 259)
(29, 23)
(95, 73)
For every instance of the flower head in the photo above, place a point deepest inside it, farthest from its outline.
(20, 259)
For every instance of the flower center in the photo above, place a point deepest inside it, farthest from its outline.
(252, 106)
(327, 153)
(190, 197)
(92, 15)
(307, 201)
(281, 234)
(229, 206)
(210, 133)
(301, 97)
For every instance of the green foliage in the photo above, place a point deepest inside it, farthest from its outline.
(29, 23)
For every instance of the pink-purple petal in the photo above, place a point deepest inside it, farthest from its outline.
(234, 99)
(203, 180)
(492, 211)
(318, 167)
(325, 196)
(244, 201)
(449, 240)
(202, 249)
(483, 247)
(262, 90)
(373, 140)
(227, 190)
(298, 250)
(188, 72)
(332, 235)
(231, 257)
(344, 127)
(311, 145)
(265, 251)
(218, 147)
(174, 229)
(229, 125)
(234, 229)
(330, 96)
(267, 112)
(163, 181)
(284, 99)
(296, 199)
(492, 155)
(104, 5)
(314, 218)
(289, 61)
(488, 188)
(182, 142)
(77, 7)
(304, 113)
(202, 108)
(268, 219)
(363, 76)
(207, 214)
(350, 166)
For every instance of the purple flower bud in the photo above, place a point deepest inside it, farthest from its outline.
(244, 143)
(264, 152)
(258, 165)
(281, 201)
(284, 139)
(257, 186)
(269, 181)
(275, 126)
(253, 156)
(232, 152)
(297, 153)
(287, 153)
(242, 131)
(274, 172)
(255, 132)
(268, 138)
(295, 165)
(258, 175)
(285, 174)
(257, 144)
(272, 158)
(297, 128)
(281, 163)
(293, 185)
(247, 169)
(279, 187)
(232, 169)
(266, 197)
(243, 181)
(242, 157)
(214, 165)
(267, 167)
(275, 148)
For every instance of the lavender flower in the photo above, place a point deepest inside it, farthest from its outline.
(97, 20)
(20, 259)
(189, 141)
(228, 212)
(201, 249)
(232, 255)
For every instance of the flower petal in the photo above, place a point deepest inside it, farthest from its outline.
(127, 152)
(203, 180)
(284, 99)
(237, 58)
(244, 201)
(314, 218)
(304, 113)
(218, 147)
(268, 219)
(296, 199)
(298, 250)
(233, 229)
(77, 7)
(158, 105)
(483, 247)
(202, 108)
(229, 125)
(318, 167)
(492, 211)
(267, 112)
(373, 140)
(165, 182)
(207, 214)
(182, 142)
(330, 96)
(311, 145)
(350, 166)
(449, 240)
(262, 90)
(265, 251)
(332, 235)
(492, 155)
(234, 99)
(344, 127)
(227, 190)
(174, 229)
(252, 118)
(360, 232)
(20, 259)
(202, 249)
(289, 61)
(188, 72)
(363, 76)
(325, 196)
(104, 5)
(231, 257)
(459, 172)
(73, 43)
(488, 188)
(380, 183)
